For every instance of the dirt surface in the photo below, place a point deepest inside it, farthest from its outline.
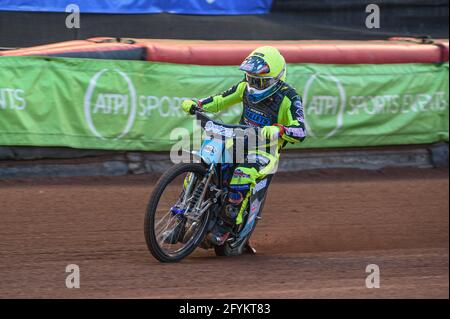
(319, 231)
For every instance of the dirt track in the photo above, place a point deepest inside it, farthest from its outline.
(319, 231)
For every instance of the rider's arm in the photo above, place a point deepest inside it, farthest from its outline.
(226, 99)
(291, 119)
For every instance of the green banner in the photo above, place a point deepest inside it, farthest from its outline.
(134, 105)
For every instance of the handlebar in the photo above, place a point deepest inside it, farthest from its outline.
(198, 111)
(194, 109)
(236, 132)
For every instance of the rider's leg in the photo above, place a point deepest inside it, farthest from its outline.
(260, 164)
(242, 182)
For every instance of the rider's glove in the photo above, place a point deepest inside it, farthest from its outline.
(187, 105)
(271, 132)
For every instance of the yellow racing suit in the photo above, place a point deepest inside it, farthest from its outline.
(284, 109)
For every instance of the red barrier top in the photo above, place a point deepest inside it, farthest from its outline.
(228, 52)
(70, 46)
(330, 52)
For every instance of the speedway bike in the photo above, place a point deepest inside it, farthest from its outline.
(189, 198)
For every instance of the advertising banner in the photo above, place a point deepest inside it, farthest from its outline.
(135, 105)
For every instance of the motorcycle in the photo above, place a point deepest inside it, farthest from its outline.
(189, 198)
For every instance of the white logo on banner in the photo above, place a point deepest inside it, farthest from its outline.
(325, 104)
(325, 97)
(110, 103)
(13, 99)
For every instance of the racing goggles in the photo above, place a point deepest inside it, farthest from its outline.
(260, 82)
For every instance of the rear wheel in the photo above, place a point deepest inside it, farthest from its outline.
(171, 232)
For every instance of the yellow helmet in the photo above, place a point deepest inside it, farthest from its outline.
(264, 68)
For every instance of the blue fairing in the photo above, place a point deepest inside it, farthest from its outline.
(213, 151)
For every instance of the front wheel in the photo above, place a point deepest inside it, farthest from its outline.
(171, 231)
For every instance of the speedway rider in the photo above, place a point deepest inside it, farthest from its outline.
(268, 102)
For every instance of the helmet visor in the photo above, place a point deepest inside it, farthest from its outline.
(255, 65)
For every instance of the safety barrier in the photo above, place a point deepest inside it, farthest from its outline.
(397, 50)
(135, 105)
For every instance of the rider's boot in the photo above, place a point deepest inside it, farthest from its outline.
(224, 226)
(219, 234)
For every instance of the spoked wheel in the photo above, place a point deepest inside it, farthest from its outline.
(172, 231)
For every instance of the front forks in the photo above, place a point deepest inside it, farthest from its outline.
(197, 205)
